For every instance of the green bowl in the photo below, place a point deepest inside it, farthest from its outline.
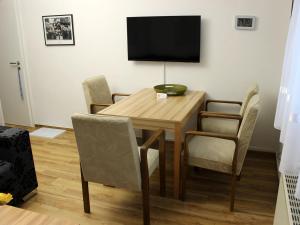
(171, 89)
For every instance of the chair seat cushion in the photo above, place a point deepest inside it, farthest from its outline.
(219, 125)
(153, 160)
(211, 153)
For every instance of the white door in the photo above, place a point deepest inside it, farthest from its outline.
(13, 91)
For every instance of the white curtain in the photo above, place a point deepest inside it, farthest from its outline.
(288, 107)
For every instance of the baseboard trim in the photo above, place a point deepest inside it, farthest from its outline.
(54, 127)
(261, 149)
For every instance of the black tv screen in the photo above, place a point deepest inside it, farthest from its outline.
(164, 38)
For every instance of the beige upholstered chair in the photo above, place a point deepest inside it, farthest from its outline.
(97, 94)
(219, 152)
(222, 122)
(109, 155)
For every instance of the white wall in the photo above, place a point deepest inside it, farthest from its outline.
(230, 60)
(1, 116)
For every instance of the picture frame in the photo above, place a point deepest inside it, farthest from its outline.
(58, 30)
(245, 22)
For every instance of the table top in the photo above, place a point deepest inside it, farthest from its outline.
(15, 216)
(145, 105)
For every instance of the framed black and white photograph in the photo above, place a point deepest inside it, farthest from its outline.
(245, 22)
(58, 30)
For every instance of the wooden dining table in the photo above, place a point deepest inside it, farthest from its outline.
(147, 112)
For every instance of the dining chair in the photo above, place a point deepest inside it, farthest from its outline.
(219, 152)
(224, 122)
(109, 155)
(97, 94)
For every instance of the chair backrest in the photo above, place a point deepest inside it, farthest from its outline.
(108, 150)
(96, 91)
(252, 90)
(246, 130)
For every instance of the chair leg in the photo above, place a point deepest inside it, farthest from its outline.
(184, 169)
(85, 194)
(146, 207)
(232, 194)
(162, 168)
(146, 201)
(196, 169)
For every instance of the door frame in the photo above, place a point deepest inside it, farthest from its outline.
(23, 59)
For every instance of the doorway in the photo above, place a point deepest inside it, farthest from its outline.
(14, 95)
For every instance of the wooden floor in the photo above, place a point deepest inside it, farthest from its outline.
(59, 192)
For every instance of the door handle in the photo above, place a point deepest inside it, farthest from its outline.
(17, 63)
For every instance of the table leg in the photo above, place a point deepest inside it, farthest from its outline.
(177, 151)
(145, 135)
(201, 108)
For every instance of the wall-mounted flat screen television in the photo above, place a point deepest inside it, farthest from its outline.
(164, 38)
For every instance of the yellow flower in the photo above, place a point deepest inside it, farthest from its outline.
(5, 198)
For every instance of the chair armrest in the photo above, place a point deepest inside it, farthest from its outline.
(93, 105)
(205, 114)
(220, 115)
(113, 96)
(210, 134)
(157, 135)
(221, 101)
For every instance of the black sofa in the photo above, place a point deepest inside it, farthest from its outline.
(17, 171)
